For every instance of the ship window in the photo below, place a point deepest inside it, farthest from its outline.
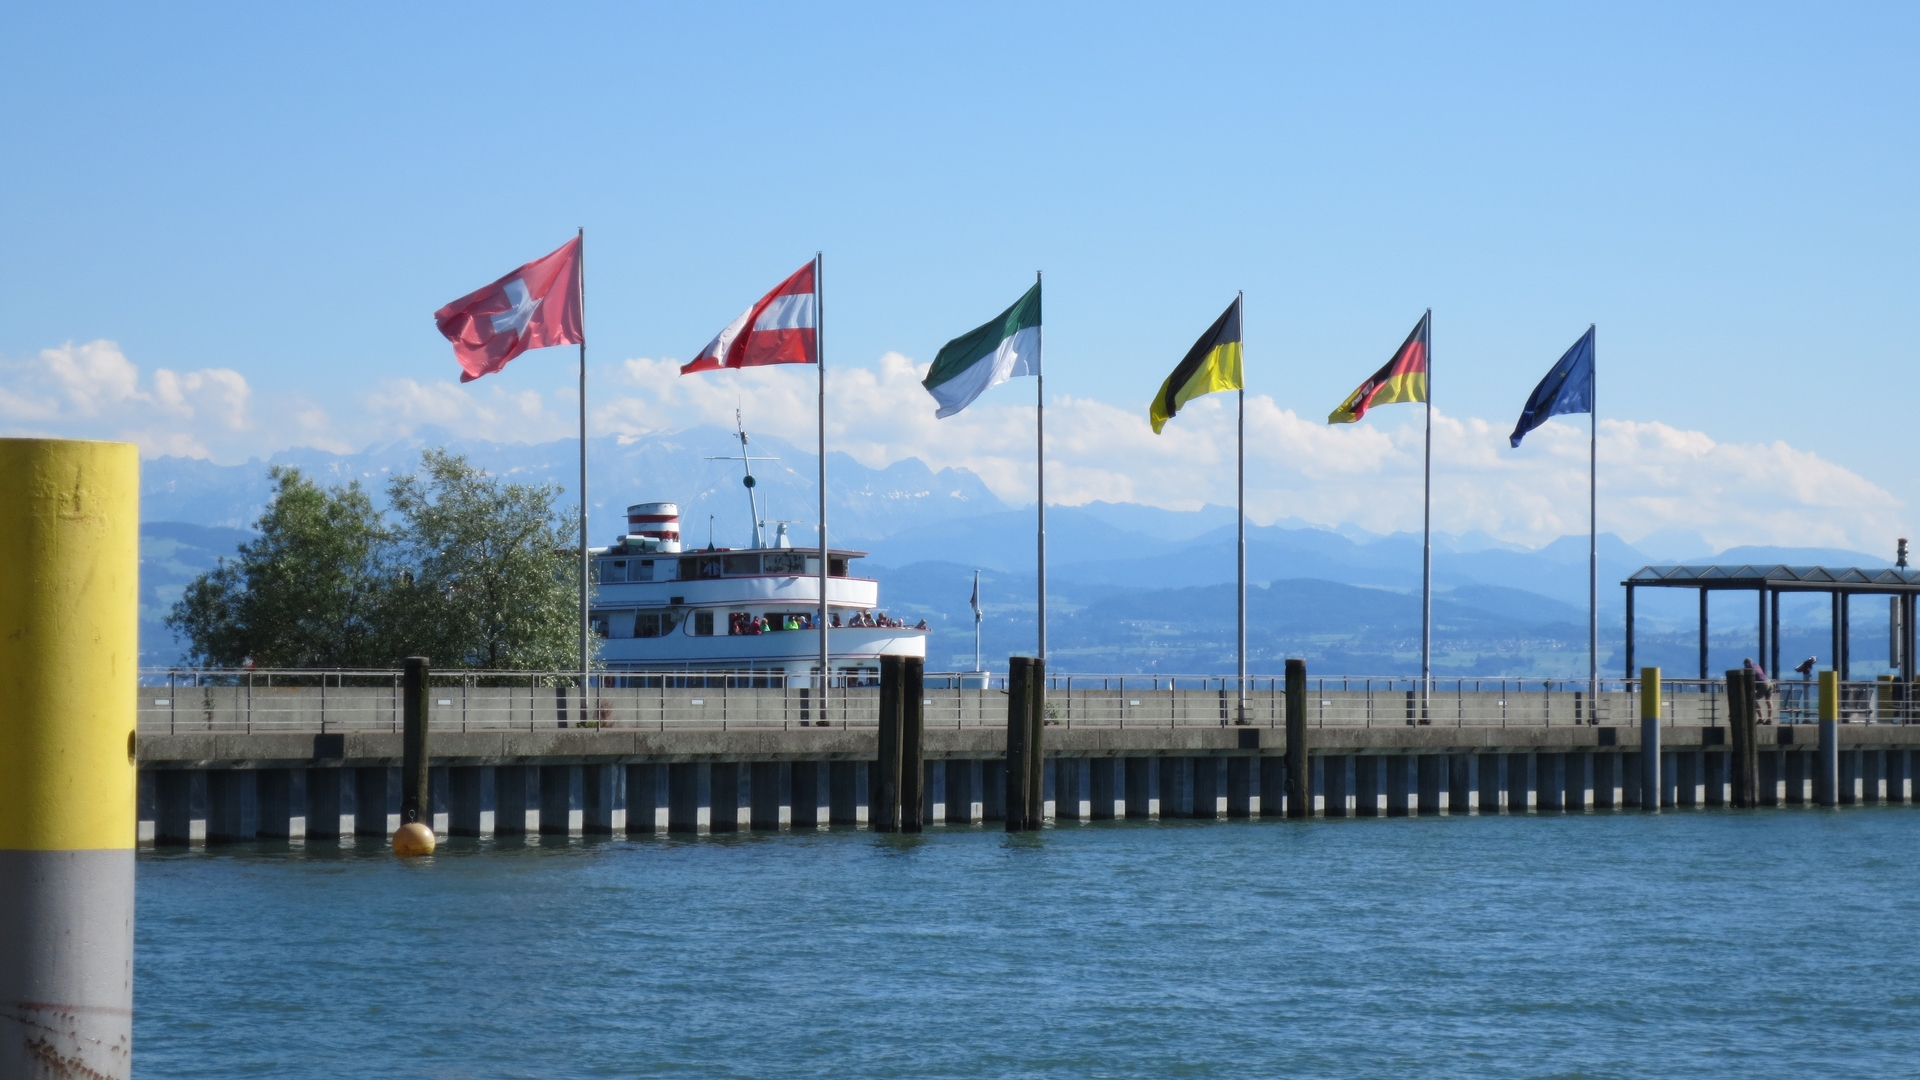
(600, 627)
(836, 567)
(703, 566)
(785, 562)
(703, 623)
(646, 624)
(613, 570)
(743, 564)
(640, 571)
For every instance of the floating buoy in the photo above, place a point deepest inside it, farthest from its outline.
(412, 839)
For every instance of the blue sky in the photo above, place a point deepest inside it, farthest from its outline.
(289, 194)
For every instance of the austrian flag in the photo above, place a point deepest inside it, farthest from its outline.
(777, 329)
(535, 306)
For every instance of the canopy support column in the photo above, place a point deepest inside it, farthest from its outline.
(1773, 635)
(1629, 632)
(1703, 634)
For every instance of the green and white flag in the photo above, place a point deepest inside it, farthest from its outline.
(974, 363)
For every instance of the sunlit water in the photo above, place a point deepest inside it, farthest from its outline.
(1774, 943)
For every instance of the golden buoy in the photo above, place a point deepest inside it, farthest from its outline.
(412, 839)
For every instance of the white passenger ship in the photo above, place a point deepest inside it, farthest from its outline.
(658, 608)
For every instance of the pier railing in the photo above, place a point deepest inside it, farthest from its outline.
(300, 701)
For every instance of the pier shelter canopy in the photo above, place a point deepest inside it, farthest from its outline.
(1842, 584)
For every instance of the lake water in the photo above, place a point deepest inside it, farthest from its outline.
(1715, 943)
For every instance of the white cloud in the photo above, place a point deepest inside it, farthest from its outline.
(1652, 475)
(94, 391)
(398, 407)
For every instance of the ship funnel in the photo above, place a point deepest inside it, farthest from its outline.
(656, 521)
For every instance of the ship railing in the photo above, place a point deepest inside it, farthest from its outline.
(311, 701)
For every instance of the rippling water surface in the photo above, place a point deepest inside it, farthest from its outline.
(1698, 944)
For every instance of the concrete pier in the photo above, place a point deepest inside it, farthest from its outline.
(596, 799)
(723, 807)
(1459, 783)
(1239, 778)
(273, 802)
(763, 796)
(325, 791)
(683, 797)
(1205, 796)
(643, 799)
(843, 795)
(1101, 787)
(226, 810)
(464, 800)
(173, 808)
(371, 793)
(556, 800)
(1139, 788)
(1273, 787)
(803, 784)
(509, 800)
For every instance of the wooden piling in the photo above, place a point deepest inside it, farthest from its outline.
(1743, 721)
(883, 796)
(415, 801)
(913, 802)
(1299, 780)
(1019, 731)
(1037, 744)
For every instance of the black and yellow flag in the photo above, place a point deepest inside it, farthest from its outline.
(1212, 364)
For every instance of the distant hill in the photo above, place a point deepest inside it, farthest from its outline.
(172, 554)
(1130, 587)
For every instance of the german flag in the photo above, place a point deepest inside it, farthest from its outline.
(1403, 379)
(1212, 364)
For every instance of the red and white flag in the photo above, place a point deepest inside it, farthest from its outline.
(535, 306)
(777, 329)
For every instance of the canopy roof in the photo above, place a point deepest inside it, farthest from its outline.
(1848, 579)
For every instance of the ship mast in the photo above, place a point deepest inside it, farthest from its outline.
(747, 459)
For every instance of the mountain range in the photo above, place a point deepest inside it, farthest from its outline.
(1130, 588)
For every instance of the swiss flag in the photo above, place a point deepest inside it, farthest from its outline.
(535, 306)
(777, 329)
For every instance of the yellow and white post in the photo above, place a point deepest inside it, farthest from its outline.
(1652, 785)
(69, 594)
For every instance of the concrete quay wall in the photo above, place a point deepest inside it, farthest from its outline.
(223, 788)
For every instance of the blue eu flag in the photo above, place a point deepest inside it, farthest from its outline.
(1568, 388)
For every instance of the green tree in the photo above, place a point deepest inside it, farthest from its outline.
(309, 592)
(492, 579)
(464, 569)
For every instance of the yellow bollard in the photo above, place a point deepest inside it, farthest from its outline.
(69, 650)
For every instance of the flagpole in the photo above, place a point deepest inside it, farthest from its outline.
(1040, 428)
(1426, 549)
(1593, 533)
(1240, 713)
(820, 358)
(976, 621)
(586, 662)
